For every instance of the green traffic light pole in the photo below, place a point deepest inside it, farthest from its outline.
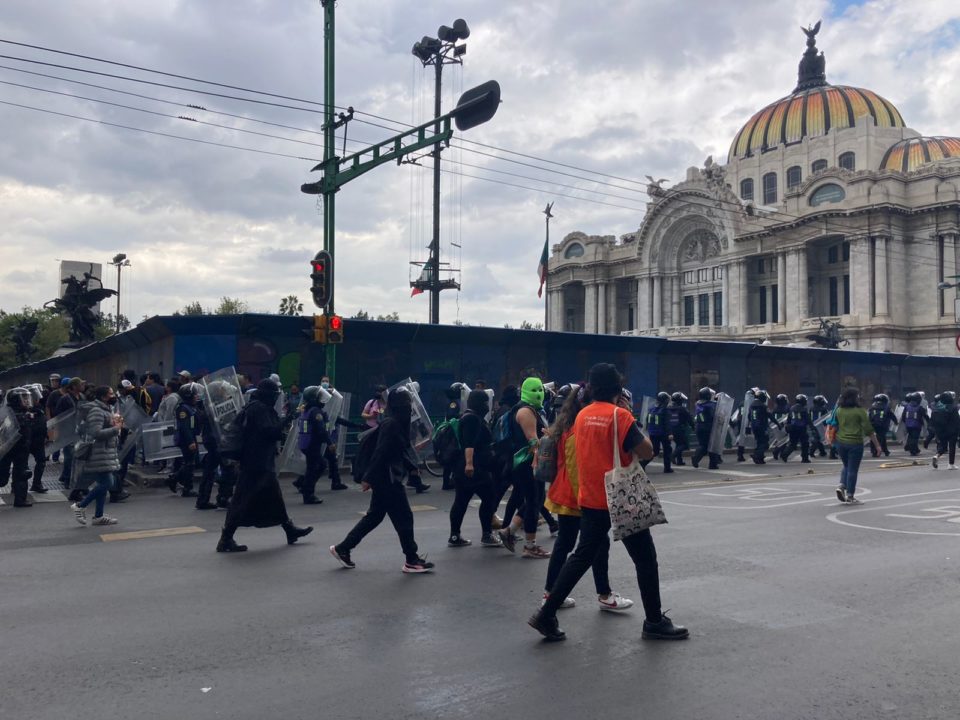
(476, 106)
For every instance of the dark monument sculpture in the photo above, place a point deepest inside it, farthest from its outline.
(77, 303)
(829, 336)
(812, 72)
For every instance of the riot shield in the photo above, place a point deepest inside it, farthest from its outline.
(746, 439)
(821, 425)
(133, 414)
(130, 444)
(333, 407)
(341, 437)
(9, 430)
(158, 441)
(645, 404)
(721, 422)
(292, 459)
(421, 427)
(61, 431)
(224, 402)
(901, 432)
(778, 435)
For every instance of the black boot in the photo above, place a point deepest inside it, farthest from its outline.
(312, 500)
(294, 533)
(205, 505)
(228, 545)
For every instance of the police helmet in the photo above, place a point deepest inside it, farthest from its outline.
(663, 397)
(819, 400)
(881, 398)
(19, 398)
(311, 396)
(706, 393)
(36, 393)
(936, 398)
(782, 399)
(801, 399)
(761, 395)
(190, 391)
(948, 397)
(913, 397)
(678, 397)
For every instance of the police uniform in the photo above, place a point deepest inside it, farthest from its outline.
(187, 433)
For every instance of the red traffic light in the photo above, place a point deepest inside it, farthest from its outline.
(335, 323)
(317, 266)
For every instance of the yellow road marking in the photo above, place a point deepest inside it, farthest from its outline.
(418, 508)
(159, 532)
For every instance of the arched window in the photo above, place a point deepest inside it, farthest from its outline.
(770, 189)
(848, 161)
(746, 189)
(794, 177)
(818, 166)
(829, 193)
(574, 251)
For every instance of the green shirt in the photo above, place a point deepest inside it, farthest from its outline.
(853, 425)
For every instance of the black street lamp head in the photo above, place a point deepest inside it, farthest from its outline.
(426, 48)
(119, 258)
(459, 31)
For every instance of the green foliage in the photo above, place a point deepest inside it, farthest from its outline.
(107, 326)
(364, 315)
(194, 308)
(525, 325)
(52, 332)
(231, 306)
(291, 305)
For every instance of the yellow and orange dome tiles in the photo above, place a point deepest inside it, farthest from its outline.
(811, 113)
(908, 155)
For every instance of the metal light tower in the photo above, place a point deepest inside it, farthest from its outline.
(119, 261)
(439, 51)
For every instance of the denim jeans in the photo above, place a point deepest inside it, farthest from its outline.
(104, 482)
(850, 456)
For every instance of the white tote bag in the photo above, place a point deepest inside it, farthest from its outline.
(631, 497)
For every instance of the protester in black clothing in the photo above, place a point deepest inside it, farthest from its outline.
(946, 424)
(799, 426)
(257, 500)
(472, 474)
(392, 460)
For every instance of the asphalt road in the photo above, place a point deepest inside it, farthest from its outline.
(799, 607)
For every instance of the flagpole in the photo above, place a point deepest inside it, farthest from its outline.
(546, 269)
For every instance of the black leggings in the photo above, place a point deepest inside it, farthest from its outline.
(387, 499)
(563, 546)
(465, 490)
(527, 494)
(949, 446)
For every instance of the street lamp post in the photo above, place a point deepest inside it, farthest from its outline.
(439, 51)
(120, 261)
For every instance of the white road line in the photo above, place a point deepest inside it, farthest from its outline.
(834, 518)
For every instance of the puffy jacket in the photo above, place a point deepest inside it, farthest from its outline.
(168, 407)
(96, 423)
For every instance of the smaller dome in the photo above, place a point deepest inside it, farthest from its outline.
(908, 155)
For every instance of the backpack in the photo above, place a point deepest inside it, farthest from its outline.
(911, 417)
(546, 471)
(502, 434)
(361, 460)
(446, 443)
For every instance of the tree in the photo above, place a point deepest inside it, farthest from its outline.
(232, 306)
(52, 332)
(291, 305)
(361, 315)
(364, 315)
(107, 325)
(525, 325)
(193, 308)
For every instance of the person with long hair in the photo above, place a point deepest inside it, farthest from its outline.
(853, 425)
(562, 500)
(392, 461)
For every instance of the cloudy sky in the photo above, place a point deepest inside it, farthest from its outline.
(625, 88)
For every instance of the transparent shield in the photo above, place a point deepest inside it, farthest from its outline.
(130, 444)
(292, 459)
(646, 402)
(778, 436)
(901, 432)
(333, 407)
(421, 427)
(224, 402)
(721, 422)
(133, 414)
(9, 430)
(62, 431)
(158, 441)
(745, 438)
(341, 435)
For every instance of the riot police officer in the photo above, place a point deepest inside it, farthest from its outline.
(704, 413)
(759, 418)
(313, 441)
(819, 410)
(914, 417)
(187, 437)
(679, 423)
(799, 426)
(881, 418)
(657, 428)
(38, 438)
(781, 412)
(19, 401)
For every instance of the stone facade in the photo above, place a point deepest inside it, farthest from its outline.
(826, 225)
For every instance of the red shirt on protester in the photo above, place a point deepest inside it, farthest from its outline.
(593, 432)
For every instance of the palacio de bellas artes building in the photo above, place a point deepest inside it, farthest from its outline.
(829, 206)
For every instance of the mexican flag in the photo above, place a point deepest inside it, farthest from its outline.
(542, 268)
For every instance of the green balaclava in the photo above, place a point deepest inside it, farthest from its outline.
(531, 392)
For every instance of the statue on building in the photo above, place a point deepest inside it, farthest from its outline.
(653, 188)
(78, 302)
(812, 72)
(829, 335)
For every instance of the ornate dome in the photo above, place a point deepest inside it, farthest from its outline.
(814, 108)
(908, 155)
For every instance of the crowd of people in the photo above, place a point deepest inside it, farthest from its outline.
(537, 437)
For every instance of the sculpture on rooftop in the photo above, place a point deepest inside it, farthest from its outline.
(77, 303)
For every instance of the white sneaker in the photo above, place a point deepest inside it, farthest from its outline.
(615, 603)
(851, 500)
(104, 520)
(79, 513)
(568, 602)
(952, 466)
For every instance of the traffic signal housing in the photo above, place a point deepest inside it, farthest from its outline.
(334, 329)
(320, 329)
(321, 276)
